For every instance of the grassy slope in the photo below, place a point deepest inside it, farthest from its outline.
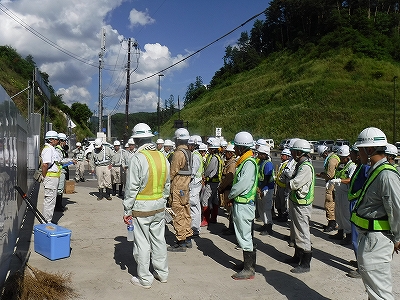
(293, 95)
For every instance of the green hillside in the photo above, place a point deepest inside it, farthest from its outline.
(289, 95)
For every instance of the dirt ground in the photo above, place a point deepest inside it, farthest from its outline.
(101, 261)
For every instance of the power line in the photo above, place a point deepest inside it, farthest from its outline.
(11, 15)
(201, 49)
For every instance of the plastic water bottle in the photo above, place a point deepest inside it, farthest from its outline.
(129, 227)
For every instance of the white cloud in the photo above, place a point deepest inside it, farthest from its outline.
(140, 18)
(75, 26)
(74, 94)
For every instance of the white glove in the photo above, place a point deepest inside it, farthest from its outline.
(264, 192)
(327, 184)
(336, 181)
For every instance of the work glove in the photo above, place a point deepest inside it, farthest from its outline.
(264, 192)
(336, 181)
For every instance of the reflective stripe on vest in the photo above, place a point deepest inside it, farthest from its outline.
(218, 176)
(351, 195)
(199, 173)
(309, 198)
(53, 174)
(278, 176)
(381, 224)
(261, 171)
(251, 195)
(157, 176)
(333, 155)
(342, 173)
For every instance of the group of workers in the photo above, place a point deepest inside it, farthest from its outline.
(194, 179)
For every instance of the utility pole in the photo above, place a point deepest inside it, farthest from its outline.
(158, 106)
(101, 55)
(127, 90)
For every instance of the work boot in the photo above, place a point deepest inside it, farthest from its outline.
(249, 263)
(304, 265)
(338, 236)
(298, 252)
(331, 226)
(230, 230)
(100, 196)
(59, 207)
(354, 274)
(188, 242)
(347, 240)
(205, 216)
(108, 192)
(179, 246)
(114, 189)
(214, 214)
(268, 230)
(274, 216)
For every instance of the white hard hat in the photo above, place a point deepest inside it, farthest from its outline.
(141, 130)
(224, 143)
(214, 143)
(343, 151)
(197, 139)
(354, 148)
(261, 142)
(51, 135)
(371, 137)
(131, 142)
(160, 141)
(391, 150)
(168, 143)
(230, 148)
(291, 142)
(191, 140)
(286, 152)
(78, 144)
(98, 143)
(243, 138)
(264, 149)
(117, 143)
(182, 134)
(202, 147)
(62, 136)
(301, 145)
(321, 149)
(126, 145)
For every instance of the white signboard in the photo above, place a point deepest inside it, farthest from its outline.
(218, 131)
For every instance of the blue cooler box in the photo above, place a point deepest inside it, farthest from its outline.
(52, 241)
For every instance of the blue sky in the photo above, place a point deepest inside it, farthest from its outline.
(165, 30)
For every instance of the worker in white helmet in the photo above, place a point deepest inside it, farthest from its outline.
(146, 193)
(243, 196)
(51, 173)
(225, 185)
(168, 149)
(118, 167)
(101, 160)
(160, 145)
(265, 189)
(376, 215)
(282, 192)
(391, 155)
(331, 163)
(195, 184)
(181, 175)
(300, 205)
(64, 161)
(79, 156)
(341, 181)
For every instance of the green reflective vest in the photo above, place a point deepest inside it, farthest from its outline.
(351, 195)
(342, 172)
(251, 195)
(381, 224)
(309, 198)
(157, 176)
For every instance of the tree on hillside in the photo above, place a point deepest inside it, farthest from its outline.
(81, 113)
(194, 90)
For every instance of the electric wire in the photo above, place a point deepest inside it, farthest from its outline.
(201, 49)
(27, 27)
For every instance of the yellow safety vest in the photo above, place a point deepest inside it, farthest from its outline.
(280, 171)
(157, 176)
(251, 195)
(381, 224)
(53, 174)
(309, 198)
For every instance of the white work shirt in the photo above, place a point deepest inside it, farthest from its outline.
(50, 156)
